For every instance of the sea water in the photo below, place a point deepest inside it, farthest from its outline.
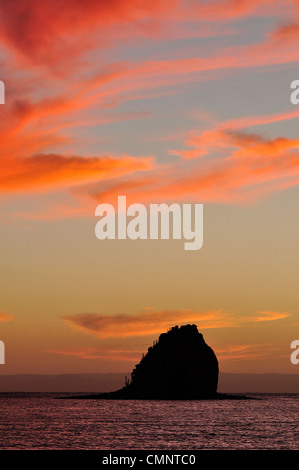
(41, 421)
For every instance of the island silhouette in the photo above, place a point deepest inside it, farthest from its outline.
(178, 366)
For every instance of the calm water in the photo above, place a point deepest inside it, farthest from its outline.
(39, 421)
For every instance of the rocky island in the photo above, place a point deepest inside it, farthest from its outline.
(179, 366)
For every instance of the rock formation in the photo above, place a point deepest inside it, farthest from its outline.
(179, 366)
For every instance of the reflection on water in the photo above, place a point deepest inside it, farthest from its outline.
(39, 421)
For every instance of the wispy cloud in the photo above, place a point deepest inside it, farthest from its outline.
(28, 28)
(245, 166)
(108, 354)
(152, 321)
(248, 166)
(56, 171)
(5, 317)
(245, 351)
(148, 322)
(271, 316)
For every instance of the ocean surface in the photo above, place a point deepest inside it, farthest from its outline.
(41, 421)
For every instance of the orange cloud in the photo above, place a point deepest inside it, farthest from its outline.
(31, 128)
(245, 351)
(271, 316)
(150, 321)
(28, 127)
(5, 317)
(286, 33)
(51, 32)
(146, 323)
(224, 164)
(100, 353)
(46, 171)
(29, 28)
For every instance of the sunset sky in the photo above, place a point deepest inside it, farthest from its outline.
(162, 101)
